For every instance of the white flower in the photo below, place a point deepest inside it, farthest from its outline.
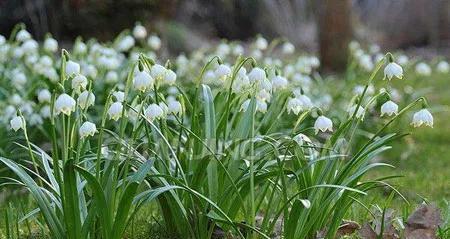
(87, 129)
(72, 68)
(19, 79)
(154, 42)
(261, 43)
(359, 113)
(323, 124)
(35, 119)
(423, 69)
(158, 72)
(79, 82)
(295, 105)
(288, 48)
(393, 69)
(30, 45)
(119, 95)
(126, 43)
(23, 35)
(139, 31)
(389, 108)
(257, 75)
(301, 139)
(86, 99)
(443, 67)
(423, 116)
(170, 77)
(115, 111)
(222, 71)
(45, 111)
(402, 60)
(153, 112)
(142, 81)
(44, 96)
(17, 123)
(279, 82)
(50, 45)
(238, 50)
(65, 104)
(261, 106)
(174, 107)
(111, 77)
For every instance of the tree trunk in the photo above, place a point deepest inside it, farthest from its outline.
(335, 32)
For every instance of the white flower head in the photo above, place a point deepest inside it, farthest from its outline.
(359, 113)
(23, 35)
(119, 95)
(393, 69)
(154, 42)
(443, 67)
(115, 111)
(301, 139)
(45, 111)
(170, 77)
(174, 107)
(158, 72)
(153, 112)
(423, 69)
(422, 116)
(86, 99)
(111, 77)
(288, 48)
(44, 96)
(261, 106)
(294, 105)
(87, 129)
(323, 124)
(257, 75)
(18, 122)
(79, 82)
(126, 43)
(143, 81)
(139, 31)
(222, 71)
(50, 45)
(279, 82)
(389, 108)
(72, 68)
(261, 43)
(65, 104)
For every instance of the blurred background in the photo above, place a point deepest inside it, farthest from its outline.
(325, 26)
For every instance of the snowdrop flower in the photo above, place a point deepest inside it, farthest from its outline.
(366, 62)
(44, 96)
(90, 71)
(288, 48)
(245, 105)
(389, 108)
(80, 47)
(222, 71)
(45, 111)
(72, 68)
(279, 82)
(423, 116)
(111, 77)
(50, 45)
(17, 123)
(393, 69)
(119, 95)
(261, 43)
(359, 113)
(402, 60)
(223, 49)
(261, 106)
(115, 111)
(19, 79)
(139, 31)
(323, 124)
(142, 81)
(158, 72)
(87, 129)
(65, 104)
(86, 99)
(154, 42)
(30, 45)
(153, 112)
(301, 139)
(423, 69)
(294, 105)
(257, 75)
(46, 61)
(15, 99)
(174, 107)
(79, 82)
(23, 35)
(238, 50)
(443, 67)
(126, 43)
(170, 77)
